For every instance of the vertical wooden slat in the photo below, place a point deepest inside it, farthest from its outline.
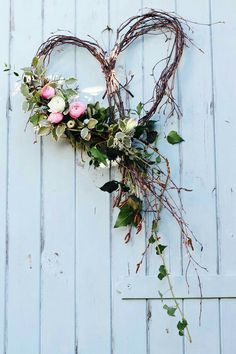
(92, 205)
(58, 193)
(223, 60)
(198, 168)
(160, 326)
(4, 139)
(129, 317)
(24, 197)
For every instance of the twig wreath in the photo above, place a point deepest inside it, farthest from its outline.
(115, 134)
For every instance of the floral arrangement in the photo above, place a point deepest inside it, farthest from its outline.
(116, 135)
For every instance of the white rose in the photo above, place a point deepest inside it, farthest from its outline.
(57, 104)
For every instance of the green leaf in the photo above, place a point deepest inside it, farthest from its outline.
(174, 138)
(98, 155)
(15, 73)
(125, 216)
(122, 125)
(170, 310)
(92, 123)
(34, 119)
(158, 159)
(24, 90)
(85, 134)
(181, 325)
(110, 186)
(70, 81)
(35, 61)
(160, 249)
(69, 93)
(154, 225)
(151, 136)
(162, 272)
(44, 131)
(134, 202)
(124, 187)
(139, 108)
(110, 141)
(152, 239)
(127, 141)
(60, 129)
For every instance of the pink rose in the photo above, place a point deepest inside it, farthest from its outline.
(55, 117)
(47, 92)
(77, 109)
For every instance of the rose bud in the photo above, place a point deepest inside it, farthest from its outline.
(47, 92)
(77, 109)
(55, 117)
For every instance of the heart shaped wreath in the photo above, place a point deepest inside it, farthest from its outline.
(117, 134)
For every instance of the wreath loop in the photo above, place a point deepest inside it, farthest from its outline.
(127, 33)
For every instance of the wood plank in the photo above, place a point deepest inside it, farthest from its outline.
(160, 327)
(155, 49)
(198, 170)
(223, 59)
(58, 187)
(4, 139)
(24, 197)
(197, 128)
(207, 334)
(128, 319)
(93, 303)
(145, 287)
(224, 51)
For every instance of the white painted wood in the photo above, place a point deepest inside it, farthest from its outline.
(223, 59)
(206, 335)
(22, 277)
(93, 306)
(127, 336)
(4, 106)
(67, 301)
(144, 287)
(58, 217)
(160, 327)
